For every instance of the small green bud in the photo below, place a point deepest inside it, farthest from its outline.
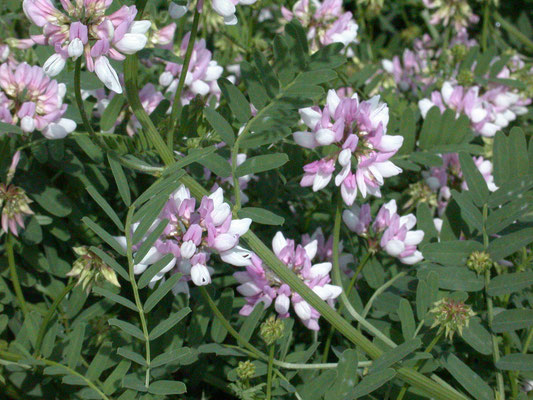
(479, 261)
(90, 269)
(451, 315)
(465, 77)
(420, 192)
(245, 370)
(271, 330)
(459, 52)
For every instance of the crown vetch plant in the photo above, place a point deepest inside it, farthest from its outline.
(266, 200)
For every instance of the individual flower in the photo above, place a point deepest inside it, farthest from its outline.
(259, 284)
(449, 176)
(89, 269)
(13, 201)
(84, 29)
(451, 315)
(31, 100)
(389, 231)
(325, 250)
(457, 12)
(224, 8)
(202, 74)
(358, 131)
(192, 235)
(326, 22)
(163, 38)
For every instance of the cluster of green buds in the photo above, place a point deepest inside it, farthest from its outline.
(451, 316)
(271, 330)
(459, 52)
(372, 7)
(245, 370)
(465, 77)
(480, 262)
(89, 269)
(420, 192)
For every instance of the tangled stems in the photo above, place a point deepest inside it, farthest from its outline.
(416, 379)
(176, 106)
(127, 231)
(13, 273)
(79, 100)
(49, 315)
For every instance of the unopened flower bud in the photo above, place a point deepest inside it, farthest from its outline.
(15, 207)
(459, 51)
(465, 77)
(245, 370)
(271, 330)
(90, 269)
(479, 261)
(451, 315)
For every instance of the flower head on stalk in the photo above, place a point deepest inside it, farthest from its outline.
(457, 12)
(261, 285)
(191, 235)
(31, 100)
(389, 231)
(358, 130)
(202, 74)
(451, 315)
(84, 29)
(326, 22)
(13, 201)
(89, 269)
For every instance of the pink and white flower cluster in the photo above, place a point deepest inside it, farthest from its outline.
(449, 176)
(84, 29)
(358, 130)
(192, 235)
(33, 101)
(260, 285)
(488, 112)
(457, 12)
(326, 22)
(224, 8)
(202, 74)
(389, 231)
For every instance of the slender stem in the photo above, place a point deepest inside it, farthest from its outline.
(13, 273)
(135, 289)
(420, 363)
(176, 106)
(511, 29)
(79, 100)
(6, 355)
(380, 290)
(485, 31)
(336, 275)
(525, 348)
(49, 315)
(341, 306)
(420, 325)
(269, 372)
(437, 390)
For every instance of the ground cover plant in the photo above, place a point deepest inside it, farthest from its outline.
(260, 199)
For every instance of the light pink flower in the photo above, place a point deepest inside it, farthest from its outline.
(258, 284)
(202, 74)
(325, 250)
(85, 29)
(33, 101)
(192, 235)
(358, 129)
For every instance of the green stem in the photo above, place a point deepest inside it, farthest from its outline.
(13, 273)
(380, 290)
(511, 29)
(16, 358)
(525, 348)
(420, 363)
(49, 315)
(341, 306)
(485, 31)
(269, 372)
(79, 100)
(336, 277)
(135, 289)
(437, 390)
(176, 106)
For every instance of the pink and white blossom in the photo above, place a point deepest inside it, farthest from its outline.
(84, 29)
(258, 284)
(225, 8)
(34, 102)
(192, 235)
(358, 130)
